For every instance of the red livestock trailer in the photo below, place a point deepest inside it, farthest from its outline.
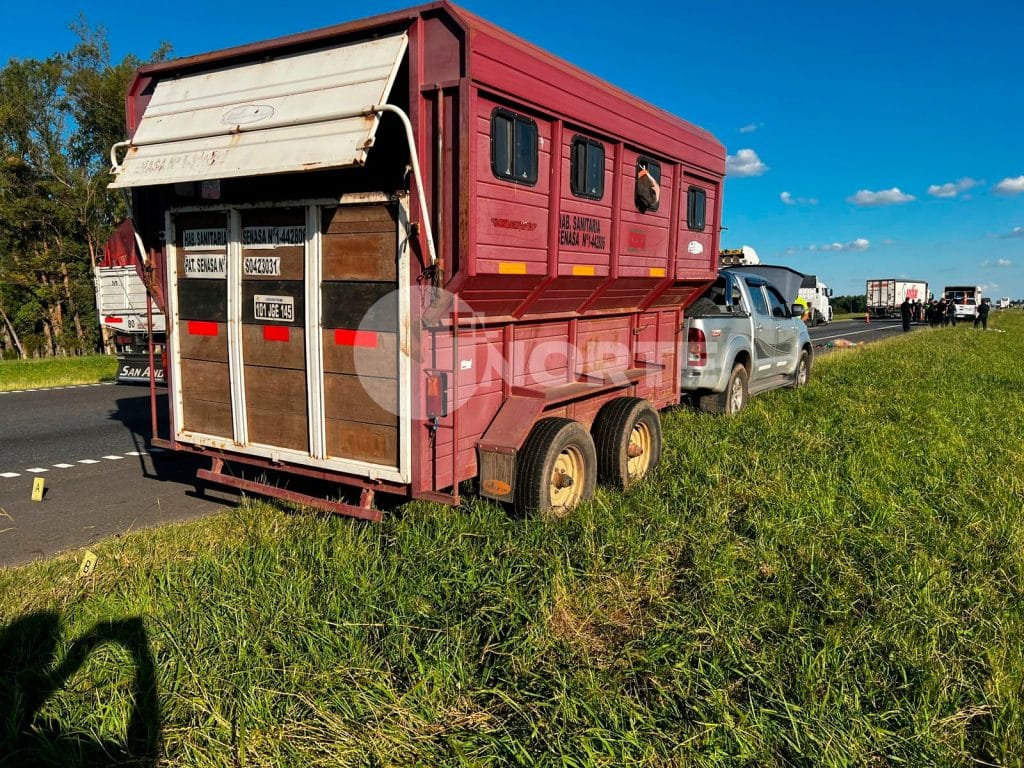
(414, 250)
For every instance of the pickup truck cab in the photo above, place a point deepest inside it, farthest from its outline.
(742, 338)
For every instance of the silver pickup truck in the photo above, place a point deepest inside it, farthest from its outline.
(742, 338)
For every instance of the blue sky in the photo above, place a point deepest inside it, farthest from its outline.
(866, 139)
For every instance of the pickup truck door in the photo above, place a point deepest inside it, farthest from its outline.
(765, 333)
(787, 332)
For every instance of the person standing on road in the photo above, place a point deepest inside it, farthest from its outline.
(982, 316)
(905, 311)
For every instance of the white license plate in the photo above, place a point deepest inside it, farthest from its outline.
(280, 309)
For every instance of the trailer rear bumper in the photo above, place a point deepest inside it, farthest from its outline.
(217, 474)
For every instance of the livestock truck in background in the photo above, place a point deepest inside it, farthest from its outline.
(126, 314)
(415, 250)
(884, 296)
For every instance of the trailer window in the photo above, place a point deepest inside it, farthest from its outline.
(513, 147)
(696, 207)
(648, 184)
(586, 168)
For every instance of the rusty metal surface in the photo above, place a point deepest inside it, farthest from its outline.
(512, 423)
(300, 112)
(264, 489)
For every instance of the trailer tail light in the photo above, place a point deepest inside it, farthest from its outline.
(696, 348)
(437, 394)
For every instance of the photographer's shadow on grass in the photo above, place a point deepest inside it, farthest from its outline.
(32, 672)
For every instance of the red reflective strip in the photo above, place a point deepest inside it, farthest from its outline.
(202, 328)
(114, 319)
(346, 338)
(275, 333)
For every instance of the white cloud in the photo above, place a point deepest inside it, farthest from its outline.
(1010, 186)
(892, 196)
(744, 163)
(788, 199)
(1003, 263)
(860, 244)
(952, 189)
(750, 127)
(1015, 232)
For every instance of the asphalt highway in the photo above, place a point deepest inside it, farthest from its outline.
(89, 444)
(856, 331)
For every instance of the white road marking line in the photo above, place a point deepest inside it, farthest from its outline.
(64, 465)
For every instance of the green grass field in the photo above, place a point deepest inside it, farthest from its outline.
(56, 372)
(835, 577)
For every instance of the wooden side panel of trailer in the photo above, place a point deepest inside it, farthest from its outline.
(202, 339)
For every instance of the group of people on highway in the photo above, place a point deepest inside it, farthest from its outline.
(938, 313)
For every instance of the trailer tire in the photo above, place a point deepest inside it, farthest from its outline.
(556, 450)
(626, 425)
(733, 398)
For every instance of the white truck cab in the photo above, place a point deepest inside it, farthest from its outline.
(817, 296)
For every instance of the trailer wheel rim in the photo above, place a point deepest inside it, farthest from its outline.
(638, 451)
(736, 395)
(568, 479)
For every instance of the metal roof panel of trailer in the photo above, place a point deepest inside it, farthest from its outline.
(477, 32)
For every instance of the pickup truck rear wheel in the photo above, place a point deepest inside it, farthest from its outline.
(803, 370)
(627, 435)
(733, 398)
(556, 469)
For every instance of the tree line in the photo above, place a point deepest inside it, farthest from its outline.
(59, 117)
(857, 304)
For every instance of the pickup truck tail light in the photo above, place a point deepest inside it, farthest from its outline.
(696, 347)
